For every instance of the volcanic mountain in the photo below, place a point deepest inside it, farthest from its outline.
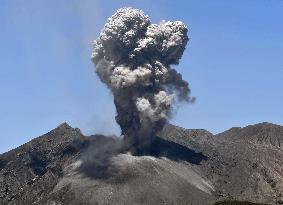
(185, 166)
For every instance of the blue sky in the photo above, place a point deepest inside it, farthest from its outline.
(233, 62)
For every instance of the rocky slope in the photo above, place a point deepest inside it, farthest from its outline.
(185, 167)
(242, 163)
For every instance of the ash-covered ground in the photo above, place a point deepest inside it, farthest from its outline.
(188, 167)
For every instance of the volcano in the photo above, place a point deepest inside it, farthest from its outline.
(185, 166)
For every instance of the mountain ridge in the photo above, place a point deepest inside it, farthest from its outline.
(217, 168)
(262, 133)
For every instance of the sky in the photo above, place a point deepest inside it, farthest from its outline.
(233, 62)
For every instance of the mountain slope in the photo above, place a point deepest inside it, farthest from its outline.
(240, 164)
(187, 167)
(33, 169)
(263, 134)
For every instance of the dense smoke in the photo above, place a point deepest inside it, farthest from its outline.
(133, 58)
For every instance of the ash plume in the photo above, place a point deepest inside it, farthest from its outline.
(133, 58)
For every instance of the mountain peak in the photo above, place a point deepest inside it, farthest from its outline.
(262, 133)
(64, 125)
(198, 167)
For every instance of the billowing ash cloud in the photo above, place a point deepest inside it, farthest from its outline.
(133, 58)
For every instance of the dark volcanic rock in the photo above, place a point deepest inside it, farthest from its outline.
(263, 134)
(243, 163)
(32, 170)
(185, 167)
(236, 203)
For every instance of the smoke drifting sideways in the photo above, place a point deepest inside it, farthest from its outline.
(133, 58)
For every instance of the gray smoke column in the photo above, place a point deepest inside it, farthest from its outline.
(133, 57)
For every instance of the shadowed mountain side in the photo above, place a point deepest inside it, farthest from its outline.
(36, 172)
(32, 170)
(176, 152)
(185, 167)
(2, 163)
(98, 155)
(240, 165)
